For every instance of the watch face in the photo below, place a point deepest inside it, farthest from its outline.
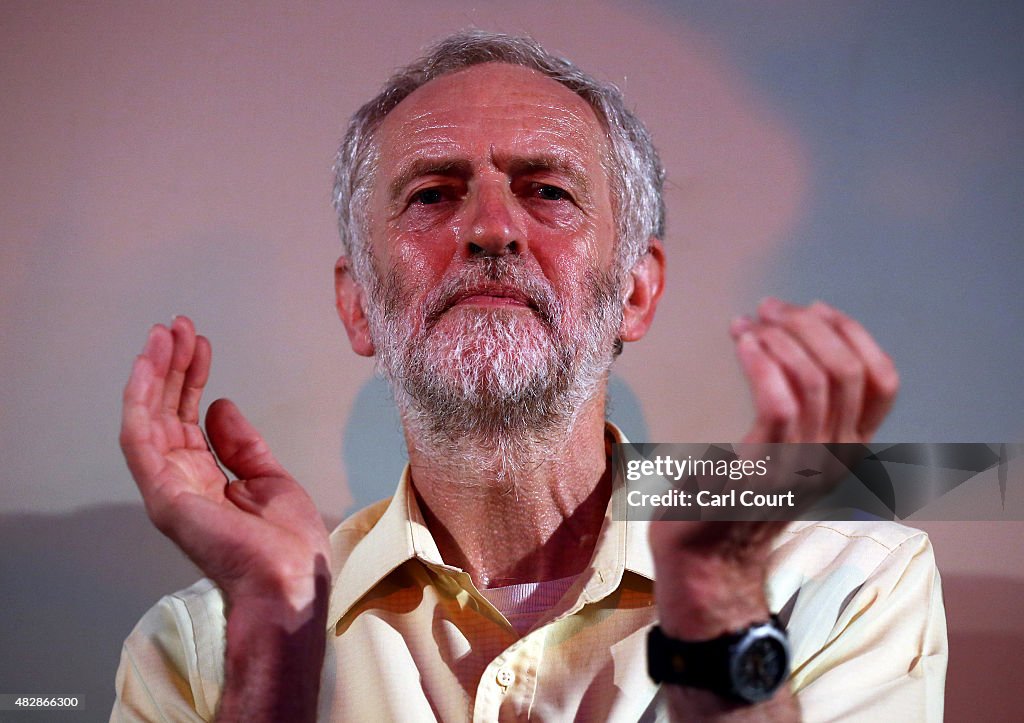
(760, 665)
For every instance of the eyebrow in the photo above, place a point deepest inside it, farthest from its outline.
(428, 167)
(526, 165)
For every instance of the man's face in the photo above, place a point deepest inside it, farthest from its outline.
(496, 300)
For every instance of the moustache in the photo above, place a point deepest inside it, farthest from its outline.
(496, 277)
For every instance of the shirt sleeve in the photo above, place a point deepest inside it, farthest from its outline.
(885, 656)
(172, 662)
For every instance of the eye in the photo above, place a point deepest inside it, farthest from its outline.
(428, 196)
(548, 192)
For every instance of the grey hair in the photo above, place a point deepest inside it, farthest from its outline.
(635, 171)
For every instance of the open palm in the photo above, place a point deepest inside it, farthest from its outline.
(256, 536)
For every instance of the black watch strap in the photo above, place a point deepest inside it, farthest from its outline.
(746, 666)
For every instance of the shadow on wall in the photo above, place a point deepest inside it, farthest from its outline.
(74, 585)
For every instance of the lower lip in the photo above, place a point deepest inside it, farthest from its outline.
(484, 300)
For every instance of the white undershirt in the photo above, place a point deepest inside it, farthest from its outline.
(525, 603)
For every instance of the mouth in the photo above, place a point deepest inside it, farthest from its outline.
(492, 296)
(485, 295)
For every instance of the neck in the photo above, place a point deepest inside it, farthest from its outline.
(513, 510)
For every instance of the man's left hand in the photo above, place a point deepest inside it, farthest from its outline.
(816, 375)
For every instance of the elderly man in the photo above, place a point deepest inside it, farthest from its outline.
(502, 225)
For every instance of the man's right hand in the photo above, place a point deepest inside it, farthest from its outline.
(260, 538)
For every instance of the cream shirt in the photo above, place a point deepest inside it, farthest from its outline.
(410, 638)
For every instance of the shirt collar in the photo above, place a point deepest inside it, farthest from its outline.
(386, 540)
(394, 536)
(623, 544)
(638, 548)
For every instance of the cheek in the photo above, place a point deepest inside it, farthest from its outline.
(416, 248)
(567, 262)
(431, 230)
(417, 264)
(413, 262)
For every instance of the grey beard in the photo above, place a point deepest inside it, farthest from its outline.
(502, 392)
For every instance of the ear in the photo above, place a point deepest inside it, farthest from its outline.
(643, 289)
(349, 300)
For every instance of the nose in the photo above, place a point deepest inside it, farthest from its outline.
(493, 228)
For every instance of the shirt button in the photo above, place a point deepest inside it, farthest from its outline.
(505, 677)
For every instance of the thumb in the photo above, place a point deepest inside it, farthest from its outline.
(238, 445)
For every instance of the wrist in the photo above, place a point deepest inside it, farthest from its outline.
(709, 597)
(285, 591)
(287, 611)
(273, 661)
(743, 667)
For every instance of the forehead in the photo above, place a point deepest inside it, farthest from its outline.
(489, 108)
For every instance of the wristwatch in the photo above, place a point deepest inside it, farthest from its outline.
(747, 666)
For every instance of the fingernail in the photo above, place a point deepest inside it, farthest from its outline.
(747, 339)
(740, 324)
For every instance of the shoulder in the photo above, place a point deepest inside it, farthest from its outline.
(195, 612)
(888, 535)
(863, 605)
(173, 660)
(822, 546)
(834, 565)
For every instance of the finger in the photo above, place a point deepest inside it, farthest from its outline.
(158, 351)
(807, 379)
(183, 335)
(739, 325)
(237, 443)
(196, 376)
(775, 405)
(264, 487)
(883, 380)
(140, 438)
(840, 363)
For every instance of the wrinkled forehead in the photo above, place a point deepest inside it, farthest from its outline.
(488, 107)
